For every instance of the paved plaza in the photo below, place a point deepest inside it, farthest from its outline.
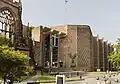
(90, 79)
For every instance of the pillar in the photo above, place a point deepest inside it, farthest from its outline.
(98, 52)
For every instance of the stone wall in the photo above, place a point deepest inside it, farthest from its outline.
(101, 51)
(96, 53)
(37, 51)
(85, 50)
(101, 54)
(63, 51)
(78, 49)
(72, 46)
(38, 39)
(62, 28)
(36, 33)
(105, 56)
(13, 8)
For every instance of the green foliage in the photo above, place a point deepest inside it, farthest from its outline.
(114, 57)
(47, 77)
(4, 41)
(13, 64)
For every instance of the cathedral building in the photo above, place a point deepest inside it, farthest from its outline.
(70, 48)
(58, 48)
(66, 47)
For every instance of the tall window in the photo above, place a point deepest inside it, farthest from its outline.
(55, 40)
(55, 50)
(55, 54)
(47, 51)
(51, 50)
(7, 23)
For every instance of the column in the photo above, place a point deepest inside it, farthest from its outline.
(103, 54)
(41, 47)
(59, 47)
(98, 52)
(51, 48)
(107, 55)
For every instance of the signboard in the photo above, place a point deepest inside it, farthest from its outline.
(60, 79)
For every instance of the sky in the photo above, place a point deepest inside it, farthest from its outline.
(103, 16)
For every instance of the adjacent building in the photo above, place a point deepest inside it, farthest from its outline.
(66, 47)
(69, 48)
(46, 44)
(102, 49)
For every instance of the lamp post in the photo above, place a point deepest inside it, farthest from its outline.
(116, 80)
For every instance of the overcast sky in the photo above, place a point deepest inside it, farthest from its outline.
(103, 16)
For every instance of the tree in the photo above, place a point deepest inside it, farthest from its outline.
(114, 57)
(13, 64)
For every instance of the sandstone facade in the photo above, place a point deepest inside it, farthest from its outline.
(75, 46)
(11, 26)
(70, 47)
(101, 50)
(13, 8)
(78, 49)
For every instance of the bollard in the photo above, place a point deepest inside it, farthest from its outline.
(105, 79)
(108, 82)
(104, 76)
(68, 74)
(85, 83)
(77, 73)
(97, 78)
(116, 80)
(98, 82)
(109, 75)
(80, 77)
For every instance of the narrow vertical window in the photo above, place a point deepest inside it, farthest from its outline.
(53, 41)
(56, 42)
